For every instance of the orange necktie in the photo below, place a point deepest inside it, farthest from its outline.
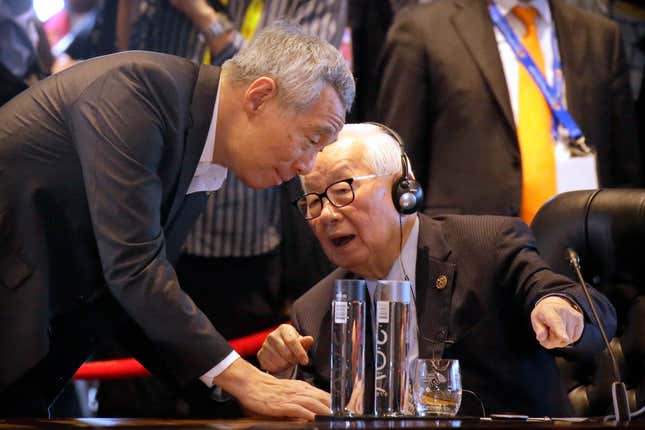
(534, 127)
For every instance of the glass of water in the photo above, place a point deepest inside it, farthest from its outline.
(437, 387)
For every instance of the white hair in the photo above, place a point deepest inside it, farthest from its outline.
(300, 63)
(381, 151)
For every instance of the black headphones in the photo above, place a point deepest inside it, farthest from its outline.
(407, 193)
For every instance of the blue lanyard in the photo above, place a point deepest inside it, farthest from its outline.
(552, 95)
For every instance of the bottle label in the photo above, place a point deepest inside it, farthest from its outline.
(383, 312)
(340, 312)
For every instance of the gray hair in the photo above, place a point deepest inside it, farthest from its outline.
(381, 152)
(301, 63)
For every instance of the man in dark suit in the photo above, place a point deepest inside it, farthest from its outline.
(103, 169)
(483, 294)
(447, 88)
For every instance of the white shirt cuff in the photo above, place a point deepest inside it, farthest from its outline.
(207, 378)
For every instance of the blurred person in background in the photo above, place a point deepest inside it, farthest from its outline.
(82, 29)
(630, 15)
(483, 137)
(25, 55)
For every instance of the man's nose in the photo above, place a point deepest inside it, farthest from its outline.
(305, 164)
(328, 212)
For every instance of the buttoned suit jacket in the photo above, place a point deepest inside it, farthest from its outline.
(95, 163)
(482, 316)
(443, 90)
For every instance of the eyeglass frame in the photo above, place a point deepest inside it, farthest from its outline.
(322, 195)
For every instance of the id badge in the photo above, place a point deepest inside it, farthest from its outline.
(575, 167)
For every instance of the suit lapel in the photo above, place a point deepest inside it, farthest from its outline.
(201, 112)
(571, 43)
(474, 26)
(435, 282)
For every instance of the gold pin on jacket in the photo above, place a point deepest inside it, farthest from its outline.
(442, 282)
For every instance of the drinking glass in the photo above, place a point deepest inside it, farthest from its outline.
(437, 387)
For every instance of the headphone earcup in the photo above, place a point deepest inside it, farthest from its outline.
(407, 196)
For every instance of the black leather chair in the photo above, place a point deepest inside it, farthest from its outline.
(607, 229)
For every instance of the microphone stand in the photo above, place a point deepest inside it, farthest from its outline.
(618, 389)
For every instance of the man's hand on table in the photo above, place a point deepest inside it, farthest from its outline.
(264, 395)
(283, 349)
(556, 322)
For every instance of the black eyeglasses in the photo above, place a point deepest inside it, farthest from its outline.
(339, 194)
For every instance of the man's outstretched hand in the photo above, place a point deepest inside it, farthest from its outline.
(556, 322)
(264, 395)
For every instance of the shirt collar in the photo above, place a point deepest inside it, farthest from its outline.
(542, 6)
(209, 147)
(209, 176)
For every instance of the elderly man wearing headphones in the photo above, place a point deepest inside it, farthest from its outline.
(482, 293)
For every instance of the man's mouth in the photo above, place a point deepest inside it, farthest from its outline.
(342, 240)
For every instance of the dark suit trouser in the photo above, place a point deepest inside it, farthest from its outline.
(73, 336)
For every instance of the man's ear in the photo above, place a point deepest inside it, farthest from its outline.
(258, 93)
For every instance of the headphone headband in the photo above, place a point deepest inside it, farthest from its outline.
(407, 193)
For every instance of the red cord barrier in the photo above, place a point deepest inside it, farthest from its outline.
(111, 369)
(131, 368)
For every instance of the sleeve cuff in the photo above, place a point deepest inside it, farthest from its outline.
(567, 297)
(207, 378)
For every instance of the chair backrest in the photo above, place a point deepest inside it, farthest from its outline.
(607, 229)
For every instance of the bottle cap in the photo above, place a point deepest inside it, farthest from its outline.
(349, 290)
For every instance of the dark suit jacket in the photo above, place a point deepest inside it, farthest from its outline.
(369, 21)
(94, 167)
(443, 89)
(495, 276)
